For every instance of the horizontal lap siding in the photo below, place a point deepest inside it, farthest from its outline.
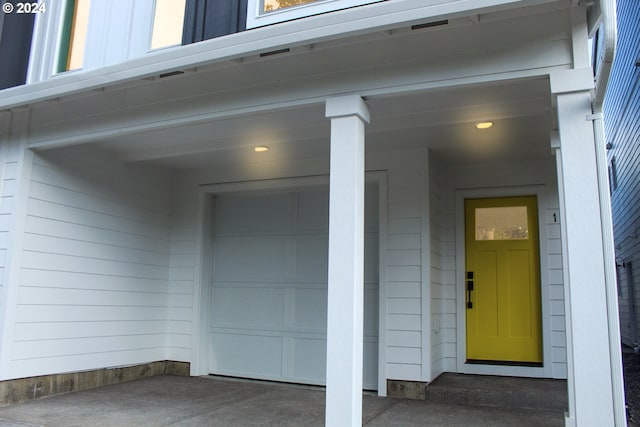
(555, 280)
(443, 297)
(622, 125)
(8, 173)
(8, 170)
(435, 264)
(182, 275)
(95, 265)
(448, 297)
(404, 275)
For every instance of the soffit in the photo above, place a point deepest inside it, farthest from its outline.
(442, 120)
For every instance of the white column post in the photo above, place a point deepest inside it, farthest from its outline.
(348, 116)
(583, 261)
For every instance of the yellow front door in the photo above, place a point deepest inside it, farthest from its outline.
(502, 281)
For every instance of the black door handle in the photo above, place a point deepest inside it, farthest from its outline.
(469, 288)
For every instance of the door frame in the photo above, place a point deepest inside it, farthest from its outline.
(461, 335)
(204, 253)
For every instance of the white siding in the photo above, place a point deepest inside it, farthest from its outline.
(93, 286)
(555, 282)
(442, 264)
(7, 187)
(109, 264)
(404, 267)
(405, 339)
(182, 274)
(14, 169)
(9, 153)
(447, 298)
(109, 259)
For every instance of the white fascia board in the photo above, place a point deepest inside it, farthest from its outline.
(345, 23)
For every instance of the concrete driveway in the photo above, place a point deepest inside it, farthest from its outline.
(208, 401)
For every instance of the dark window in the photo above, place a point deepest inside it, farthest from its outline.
(16, 30)
(206, 19)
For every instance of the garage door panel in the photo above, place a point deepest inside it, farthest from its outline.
(237, 213)
(246, 259)
(247, 307)
(370, 364)
(309, 360)
(269, 288)
(313, 211)
(371, 252)
(371, 310)
(310, 312)
(311, 259)
(371, 208)
(257, 355)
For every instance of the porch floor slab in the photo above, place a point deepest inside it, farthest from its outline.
(183, 401)
(488, 390)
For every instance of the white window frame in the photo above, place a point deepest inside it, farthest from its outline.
(99, 52)
(45, 45)
(256, 19)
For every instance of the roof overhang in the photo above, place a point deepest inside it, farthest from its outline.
(372, 18)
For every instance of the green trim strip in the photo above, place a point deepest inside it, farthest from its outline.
(65, 38)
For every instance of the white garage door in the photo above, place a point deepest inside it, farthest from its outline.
(269, 286)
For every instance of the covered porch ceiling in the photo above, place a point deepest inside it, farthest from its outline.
(442, 120)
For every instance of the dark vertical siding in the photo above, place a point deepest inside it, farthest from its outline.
(622, 126)
(15, 43)
(207, 19)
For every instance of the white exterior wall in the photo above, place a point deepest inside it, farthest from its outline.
(15, 167)
(120, 32)
(404, 287)
(182, 272)
(497, 176)
(555, 283)
(442, 265)
(92, 288)
(7, 185)
(70, 251)
(405, 284)
(116, 32)
(421, 226)
(108, 264)
(403, 317)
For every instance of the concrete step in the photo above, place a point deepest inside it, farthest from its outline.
(494, 391)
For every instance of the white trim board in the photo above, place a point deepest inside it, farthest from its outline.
(546, 370)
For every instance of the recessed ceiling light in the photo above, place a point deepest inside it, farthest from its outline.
(484, 125)
(261, 149)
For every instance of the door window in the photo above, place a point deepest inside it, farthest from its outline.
(501, 223)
